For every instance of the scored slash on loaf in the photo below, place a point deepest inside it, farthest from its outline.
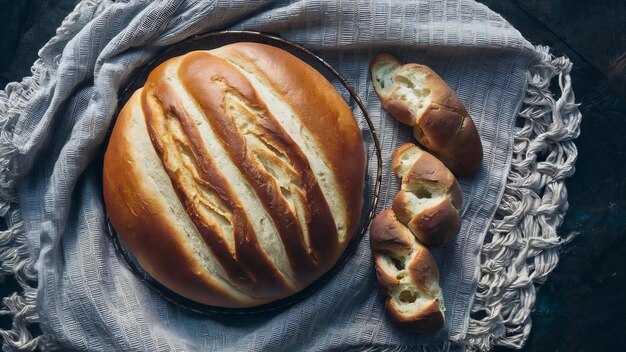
(226, 178)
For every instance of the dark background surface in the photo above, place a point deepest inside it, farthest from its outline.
(582, 307)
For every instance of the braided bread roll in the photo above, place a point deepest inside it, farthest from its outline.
(424, 212)
(430, 196)
(407, 275)
(415, 95)
(226, 175)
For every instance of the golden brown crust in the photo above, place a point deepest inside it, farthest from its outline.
(227, 79)
(387, 234)
(319, 107)
(401, 111)
(436, 225)
(439, 127)
(389, 240)
(465, 147)
(143, 221)
(440, 123)
(407, 274)
(402, 208)
(427, 320)
(398, 156)
(246, 271)
(428, 170)
(247, 262)
(430, 198)
(424, 271)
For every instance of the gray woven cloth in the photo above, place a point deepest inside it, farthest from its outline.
(54, 125)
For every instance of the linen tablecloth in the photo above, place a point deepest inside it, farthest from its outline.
(54, 125)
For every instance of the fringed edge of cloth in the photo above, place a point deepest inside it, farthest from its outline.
(15, 257)
(521, 247)
(443, 346)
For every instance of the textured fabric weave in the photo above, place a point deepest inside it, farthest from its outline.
(88, 300)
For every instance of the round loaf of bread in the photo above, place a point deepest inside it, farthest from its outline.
(235, 176)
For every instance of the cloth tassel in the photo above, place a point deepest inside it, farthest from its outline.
(522, 246)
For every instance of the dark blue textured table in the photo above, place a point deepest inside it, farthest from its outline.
(582, 306)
